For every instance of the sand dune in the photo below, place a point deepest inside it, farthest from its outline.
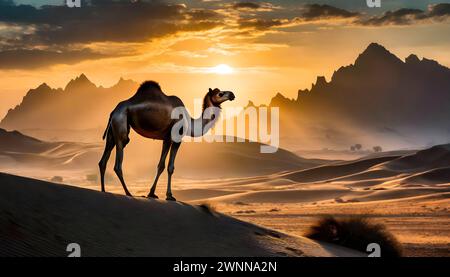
(15, 141)
(326, 172)
(142, 155)
(17, 149)
(430, 177)
(40, 219)
(277, 191)
(282, 196)
(363, 180)
(367, 175)
(409, 192)
(437, 156)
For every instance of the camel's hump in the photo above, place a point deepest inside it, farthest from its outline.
(148, 86)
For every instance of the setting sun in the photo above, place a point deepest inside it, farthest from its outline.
(222, 69)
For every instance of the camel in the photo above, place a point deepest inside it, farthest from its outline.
(149, 113)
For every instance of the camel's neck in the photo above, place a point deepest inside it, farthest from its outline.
(209, 117)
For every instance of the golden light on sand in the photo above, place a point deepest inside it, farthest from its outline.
(222, 69)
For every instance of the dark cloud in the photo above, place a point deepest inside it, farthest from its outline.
(309, 13)
(30, 59)
(58, 27)
(439, 10)
(316, 12)
(260, 24)
(246, 5)
(436, 12)
(398, 17)
(100, 20)
(202, 14)
(96, 21)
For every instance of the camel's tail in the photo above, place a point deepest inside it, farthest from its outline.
(107, 128)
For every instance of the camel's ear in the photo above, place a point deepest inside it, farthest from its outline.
(210, 90)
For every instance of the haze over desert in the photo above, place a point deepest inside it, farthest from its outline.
(226, 128)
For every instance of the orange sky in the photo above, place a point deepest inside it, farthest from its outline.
(281, 57)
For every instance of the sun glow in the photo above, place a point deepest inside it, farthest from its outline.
(222, 69)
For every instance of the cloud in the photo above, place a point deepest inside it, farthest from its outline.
(119, 21)
(437, 12)
(252, 6)
(97, 21)
(260, 24)
(318, 12)
(246, 5)
(35, 58)
(57, 33)
(310, 14)
(398, 17)
(203, 14)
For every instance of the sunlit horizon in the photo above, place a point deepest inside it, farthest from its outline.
(257, 51)
(222, 69)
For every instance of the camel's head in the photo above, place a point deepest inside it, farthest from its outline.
(218, 96)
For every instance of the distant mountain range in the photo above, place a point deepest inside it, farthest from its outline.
(378, 100)
(80, 105)
(380, 89)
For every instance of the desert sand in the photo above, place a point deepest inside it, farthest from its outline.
(408, 191)
(40, 219)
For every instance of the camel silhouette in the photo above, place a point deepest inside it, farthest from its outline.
(149, 113)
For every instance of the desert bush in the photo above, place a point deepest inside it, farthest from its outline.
(377, 149)
(355, 233)
(356, 147)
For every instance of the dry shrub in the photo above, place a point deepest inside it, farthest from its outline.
(355, 233)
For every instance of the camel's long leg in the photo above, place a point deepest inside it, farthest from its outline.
(161, 166)
(104, 160)
(118, 166)
(171, 168)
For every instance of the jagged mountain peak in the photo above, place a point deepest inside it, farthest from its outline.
(412, 59)
(125, 82)
(280, 100)
(43, 86)
(376, 47)
(56, 107)
(81, 81)
(376, 54)
(321, 82)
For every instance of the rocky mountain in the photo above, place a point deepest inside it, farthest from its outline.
(378, 100)
(382, 90)
(80, 105)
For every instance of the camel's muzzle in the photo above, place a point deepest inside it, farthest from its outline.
(231, 97)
